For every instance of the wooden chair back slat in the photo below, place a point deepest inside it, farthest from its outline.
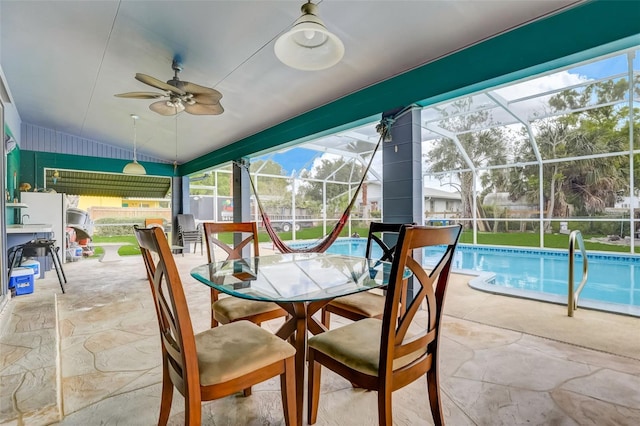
(243, 233)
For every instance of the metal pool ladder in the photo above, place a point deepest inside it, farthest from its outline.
(576, 238)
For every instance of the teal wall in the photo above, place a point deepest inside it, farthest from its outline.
(13, 166)
(12, 184)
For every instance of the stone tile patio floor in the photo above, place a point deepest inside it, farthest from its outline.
(92, 357)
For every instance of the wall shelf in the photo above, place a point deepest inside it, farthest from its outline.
(16, 205)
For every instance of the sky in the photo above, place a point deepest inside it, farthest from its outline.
(295, 159)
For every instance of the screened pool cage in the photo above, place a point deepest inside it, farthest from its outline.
(535, 158)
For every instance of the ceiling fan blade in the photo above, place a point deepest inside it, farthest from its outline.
(141, 95)
(206, 99)
(196, 89)
(152, 81)
(162, 108)
(202, 109)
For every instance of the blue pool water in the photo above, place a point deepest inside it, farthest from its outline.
(613, 279)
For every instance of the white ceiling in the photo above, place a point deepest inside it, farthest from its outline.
(64, 60)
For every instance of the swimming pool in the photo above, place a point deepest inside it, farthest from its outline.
(613, 284)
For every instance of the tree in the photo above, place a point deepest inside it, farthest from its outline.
(220, 180)
(270, 185)
(333, 173)
(483, 147)
(589, 185)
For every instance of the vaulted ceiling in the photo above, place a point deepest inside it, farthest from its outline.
(63, 61)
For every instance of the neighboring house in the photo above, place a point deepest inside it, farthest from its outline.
(112, 207)
(441, 204)
(85, 202)
(625, 203)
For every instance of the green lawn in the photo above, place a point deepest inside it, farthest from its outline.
(559, 241)
(123, 251)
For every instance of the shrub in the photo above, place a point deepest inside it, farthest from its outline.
(116, 226)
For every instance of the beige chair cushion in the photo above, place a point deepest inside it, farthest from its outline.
(357, 345)
(234, 308)
(233, 350)
(364, 303)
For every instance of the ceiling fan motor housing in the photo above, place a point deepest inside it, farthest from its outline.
(183, 95)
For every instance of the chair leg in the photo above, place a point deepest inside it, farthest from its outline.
(192, 410)
(214, 321)
(167, 396)
(313, 389)
(435, 401)
(385, 417)
(288, 390)
(326, 318)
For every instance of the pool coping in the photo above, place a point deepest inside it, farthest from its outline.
(483, 282)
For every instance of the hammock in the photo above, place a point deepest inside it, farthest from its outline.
(325, 242)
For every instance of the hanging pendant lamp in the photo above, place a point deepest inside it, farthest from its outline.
(134, 168)
(309, 46)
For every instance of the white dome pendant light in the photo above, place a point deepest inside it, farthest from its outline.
(134, 168)
(309, 46)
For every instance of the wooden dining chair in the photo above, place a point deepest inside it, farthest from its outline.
(389, 353)
(367, 304)
(231, 239)
(217, 362)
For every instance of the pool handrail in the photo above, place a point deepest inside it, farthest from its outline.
(576, 238)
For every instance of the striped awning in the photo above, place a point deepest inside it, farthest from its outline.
(74, 182)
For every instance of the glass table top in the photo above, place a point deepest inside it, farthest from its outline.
(294, 277)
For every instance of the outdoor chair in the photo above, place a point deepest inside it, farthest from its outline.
(188, 232)
(389, 353)
(229, 309)
(367, 304)
(217, 362)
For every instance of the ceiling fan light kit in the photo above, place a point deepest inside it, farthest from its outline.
(182, 95)
(309, 46)
(134, 168)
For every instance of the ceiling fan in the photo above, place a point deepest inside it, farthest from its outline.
(181, 95)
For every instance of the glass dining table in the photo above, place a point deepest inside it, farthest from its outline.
(301, 284)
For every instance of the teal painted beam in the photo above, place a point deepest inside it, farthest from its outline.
(33, 163)
(581, 33)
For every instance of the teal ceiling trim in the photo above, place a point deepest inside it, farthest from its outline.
(589, 28)
(33, 163)
(237, 150)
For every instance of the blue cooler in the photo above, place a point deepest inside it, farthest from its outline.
(21, 280)
(33, 264)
